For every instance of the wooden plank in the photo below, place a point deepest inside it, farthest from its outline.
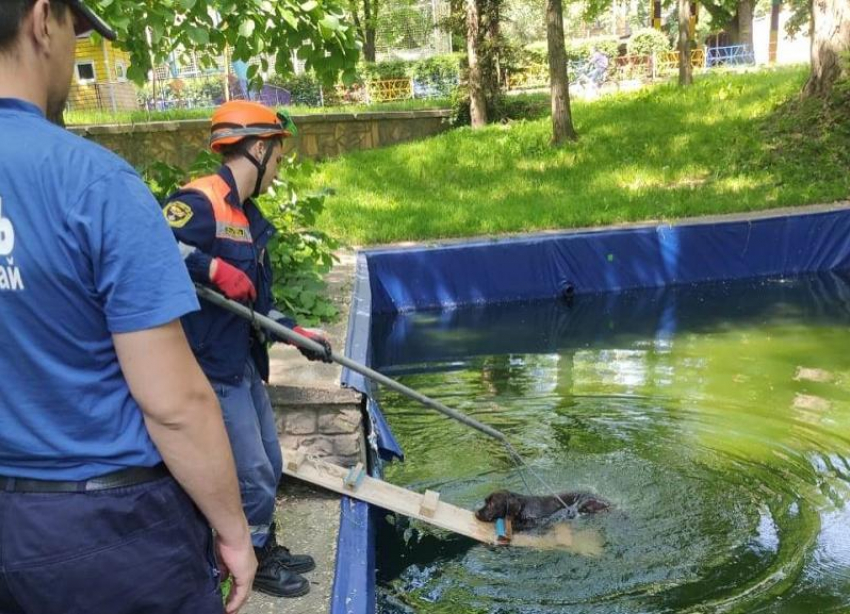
(445, 515)
(393, 498)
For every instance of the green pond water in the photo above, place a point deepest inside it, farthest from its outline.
(715, 419)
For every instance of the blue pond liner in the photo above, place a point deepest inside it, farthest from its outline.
(550, 266)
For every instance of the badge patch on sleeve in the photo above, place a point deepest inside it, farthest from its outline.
(177, 214)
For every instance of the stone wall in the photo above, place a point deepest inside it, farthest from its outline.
(327, 423)
(319, 136)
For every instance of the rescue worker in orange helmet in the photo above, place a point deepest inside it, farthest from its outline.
(223, 237)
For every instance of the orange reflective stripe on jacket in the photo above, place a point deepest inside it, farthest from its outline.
(230, 222)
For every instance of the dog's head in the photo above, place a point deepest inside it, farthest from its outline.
(500, 504)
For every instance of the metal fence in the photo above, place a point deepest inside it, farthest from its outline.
(111, 96)
(196, 88)
(733, 55)
(206, 92)
(639, 67)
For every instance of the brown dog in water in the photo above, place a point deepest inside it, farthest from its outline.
(526, 512)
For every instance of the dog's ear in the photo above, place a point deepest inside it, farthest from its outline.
(513, 505)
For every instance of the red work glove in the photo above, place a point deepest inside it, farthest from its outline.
(233, 283)
(319, 337)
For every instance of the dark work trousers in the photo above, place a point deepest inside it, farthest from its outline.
(132, 550)
(250, 422)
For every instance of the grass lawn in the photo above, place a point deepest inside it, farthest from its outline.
(657, 154)
(81, 118)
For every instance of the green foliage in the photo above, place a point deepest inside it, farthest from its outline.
(523, 107)
(535, 56)
(438, 68)
(808, 129)
(581, 50)
(401, 24)
(460, 105)
(524, 21)
(801, 16)
(189, 93)
(435, 69)
(164, 179)
(648, 41)
(536, 53)
(305, 88)
(501, 109)
(300, 254)
(316, 31)
(656, 154)
(382, 71)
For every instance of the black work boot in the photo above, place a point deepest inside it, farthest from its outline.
(273, 578)
(299, 563)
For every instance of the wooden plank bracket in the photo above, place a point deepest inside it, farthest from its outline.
(294, 460)
(355, 477)
(504, 531)
(430, 500)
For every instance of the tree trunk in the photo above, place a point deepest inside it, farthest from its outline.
(745, 22)
(370, 15)
(685, 69)
(369, 45)
(775, 10)
(366, 26)
(562, 120)
(477, 101)
(830, 41)
(731, 30)
(491, 82)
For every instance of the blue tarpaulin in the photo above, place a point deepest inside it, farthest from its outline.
(537, 268)
(544, 266)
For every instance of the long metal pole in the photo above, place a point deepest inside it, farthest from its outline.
(282, 332)
(301, 341)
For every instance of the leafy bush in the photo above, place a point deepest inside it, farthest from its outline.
(460, 105)
(434, 76)
(503, 109)
(306, 89)
(183, 93)
(382, 71)
(522, 107)
(648, 41)
(438, 68)
(300, 255)
(536, 55)
(580, 51)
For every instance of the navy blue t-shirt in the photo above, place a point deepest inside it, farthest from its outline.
(84, 253)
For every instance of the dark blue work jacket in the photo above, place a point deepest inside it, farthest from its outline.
(210, 221)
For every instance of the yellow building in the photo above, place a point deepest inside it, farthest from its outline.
(100, 77)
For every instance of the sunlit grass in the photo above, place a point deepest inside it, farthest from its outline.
(657, 154)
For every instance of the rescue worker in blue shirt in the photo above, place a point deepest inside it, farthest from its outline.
(224, 240)
(114, 458)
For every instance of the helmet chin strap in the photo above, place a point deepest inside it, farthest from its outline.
(261, 167)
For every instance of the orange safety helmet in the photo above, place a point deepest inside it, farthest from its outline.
(239, 119)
